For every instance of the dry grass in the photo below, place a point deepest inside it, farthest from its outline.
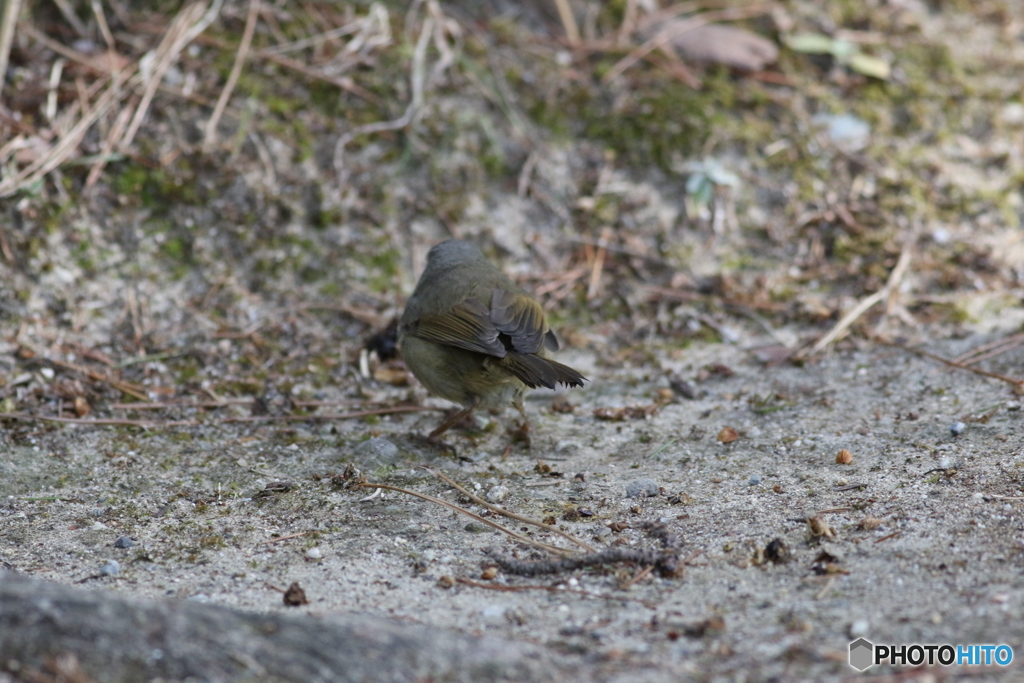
(86, 93)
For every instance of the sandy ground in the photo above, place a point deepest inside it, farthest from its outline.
(942, 566)
(669, 248)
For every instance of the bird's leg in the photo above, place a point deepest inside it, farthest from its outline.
(522, 433)
(451, 421)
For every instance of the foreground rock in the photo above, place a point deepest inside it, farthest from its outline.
(115, 638)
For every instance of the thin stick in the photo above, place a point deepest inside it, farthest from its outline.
(640, 576)
(7, 24)
(96, 421)
(135, 390)
(60, 152)
(181, 404)
(519, 537)
(891, 285)
(682, 295)
(98, 64)
(186, 25)
(563, 280)
(283, 538)
(993, 348)
(953, 364)
(227, 402)
(236, 71)
(328, 416)
(416, 81)
(826, 588)
(568, 19)
(510, 515)
(101, 19)
(116, 131)
(549, 589)
(594, 287)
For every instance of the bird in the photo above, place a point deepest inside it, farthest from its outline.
(472, 336)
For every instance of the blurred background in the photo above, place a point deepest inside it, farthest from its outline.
(227, 201)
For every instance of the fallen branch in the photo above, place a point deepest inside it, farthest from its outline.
(666, 562)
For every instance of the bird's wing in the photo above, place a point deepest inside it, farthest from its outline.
(467, 326)
(509, 323)
(519, 317)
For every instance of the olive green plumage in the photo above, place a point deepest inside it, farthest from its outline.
(474, 337)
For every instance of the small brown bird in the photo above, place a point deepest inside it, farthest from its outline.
(474, 337)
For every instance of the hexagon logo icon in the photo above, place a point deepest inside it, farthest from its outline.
(862, 654)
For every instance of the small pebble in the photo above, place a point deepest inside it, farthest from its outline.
(643, 486)
(123, 542)
(957, 428)
(498, 494)
(378, 451)
(494, 614)
(475, 528)
(754, 480)
(110, 568)
(314, 553)
(859, 628)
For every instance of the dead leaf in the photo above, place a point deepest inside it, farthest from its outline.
(720, 44)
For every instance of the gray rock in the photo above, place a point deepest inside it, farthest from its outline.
(123, 542)
(377, 452)
(643, 486)
(207, 642)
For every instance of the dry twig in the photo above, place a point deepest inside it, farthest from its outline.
(550, 589)
(891, 286)
(1018, 384)
(236, 70)
(511, 515)
(483, 520)
(144, 424)
(568, 19)
(7, 23)
(411, 111)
